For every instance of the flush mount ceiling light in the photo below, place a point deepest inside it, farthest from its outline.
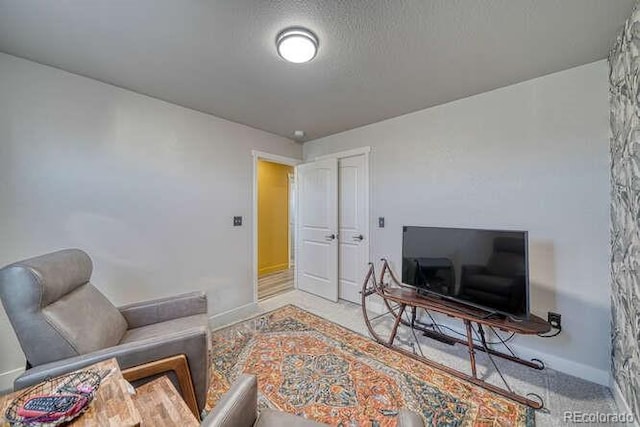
(297, 45)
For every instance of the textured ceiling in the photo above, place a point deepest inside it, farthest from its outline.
(377, 59)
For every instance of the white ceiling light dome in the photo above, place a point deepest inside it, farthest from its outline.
(297, 45)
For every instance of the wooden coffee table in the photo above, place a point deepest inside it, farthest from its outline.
(177, 365)
(155, 403)
(160, 404)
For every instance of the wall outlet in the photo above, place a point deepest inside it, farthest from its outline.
(381, 222)
(237, 221)
(554, 319)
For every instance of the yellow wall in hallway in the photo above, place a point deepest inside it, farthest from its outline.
(273, 217)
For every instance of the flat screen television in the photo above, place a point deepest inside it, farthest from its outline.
(486, 269)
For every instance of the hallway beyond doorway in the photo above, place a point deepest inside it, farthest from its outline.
(273, 284)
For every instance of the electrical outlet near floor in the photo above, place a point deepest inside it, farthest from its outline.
(554, 319)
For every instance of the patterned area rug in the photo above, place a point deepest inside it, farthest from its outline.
(309, 366)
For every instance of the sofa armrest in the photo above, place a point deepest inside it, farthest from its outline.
(164, 309)
(407, 418)
(238, 407)
(192, 342)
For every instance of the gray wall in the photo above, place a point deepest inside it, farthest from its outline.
(148, 188)
(625, 206)
(532, 156)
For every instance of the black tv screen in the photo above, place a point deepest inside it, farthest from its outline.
(487, 269)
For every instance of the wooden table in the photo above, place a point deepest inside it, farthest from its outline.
(160, 404)
(178, 365)
(155, 403)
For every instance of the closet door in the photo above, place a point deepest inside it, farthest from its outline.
(317, 236)
(353, 217)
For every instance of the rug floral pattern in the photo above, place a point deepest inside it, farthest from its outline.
(312, 367)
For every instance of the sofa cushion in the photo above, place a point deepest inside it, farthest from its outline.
(58, 273)
(43, 298)
(86, 320)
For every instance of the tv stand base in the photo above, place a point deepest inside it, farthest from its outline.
(407, 298)
(451, 340)
(443, 338)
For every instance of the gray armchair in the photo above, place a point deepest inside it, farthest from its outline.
(238, 407)
(64, 323)
(500, 283)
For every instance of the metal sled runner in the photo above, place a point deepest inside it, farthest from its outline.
(402, 302)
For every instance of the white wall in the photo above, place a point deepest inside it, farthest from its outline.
(531, 156)
(147, 188)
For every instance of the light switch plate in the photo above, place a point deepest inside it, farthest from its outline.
(237, 221)
(381, 222)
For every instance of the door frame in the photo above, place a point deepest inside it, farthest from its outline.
(275, 158)
(293, 189)
(366, 151)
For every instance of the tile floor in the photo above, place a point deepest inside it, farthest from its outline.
(561, 392)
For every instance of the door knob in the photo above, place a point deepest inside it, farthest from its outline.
(330, 237)
(358, 237)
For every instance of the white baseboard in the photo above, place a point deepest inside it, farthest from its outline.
(6, 379)
(234, 315)
(621, 402)
(580, 370)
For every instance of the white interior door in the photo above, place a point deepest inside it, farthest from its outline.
(317, 261)
(353, 230)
